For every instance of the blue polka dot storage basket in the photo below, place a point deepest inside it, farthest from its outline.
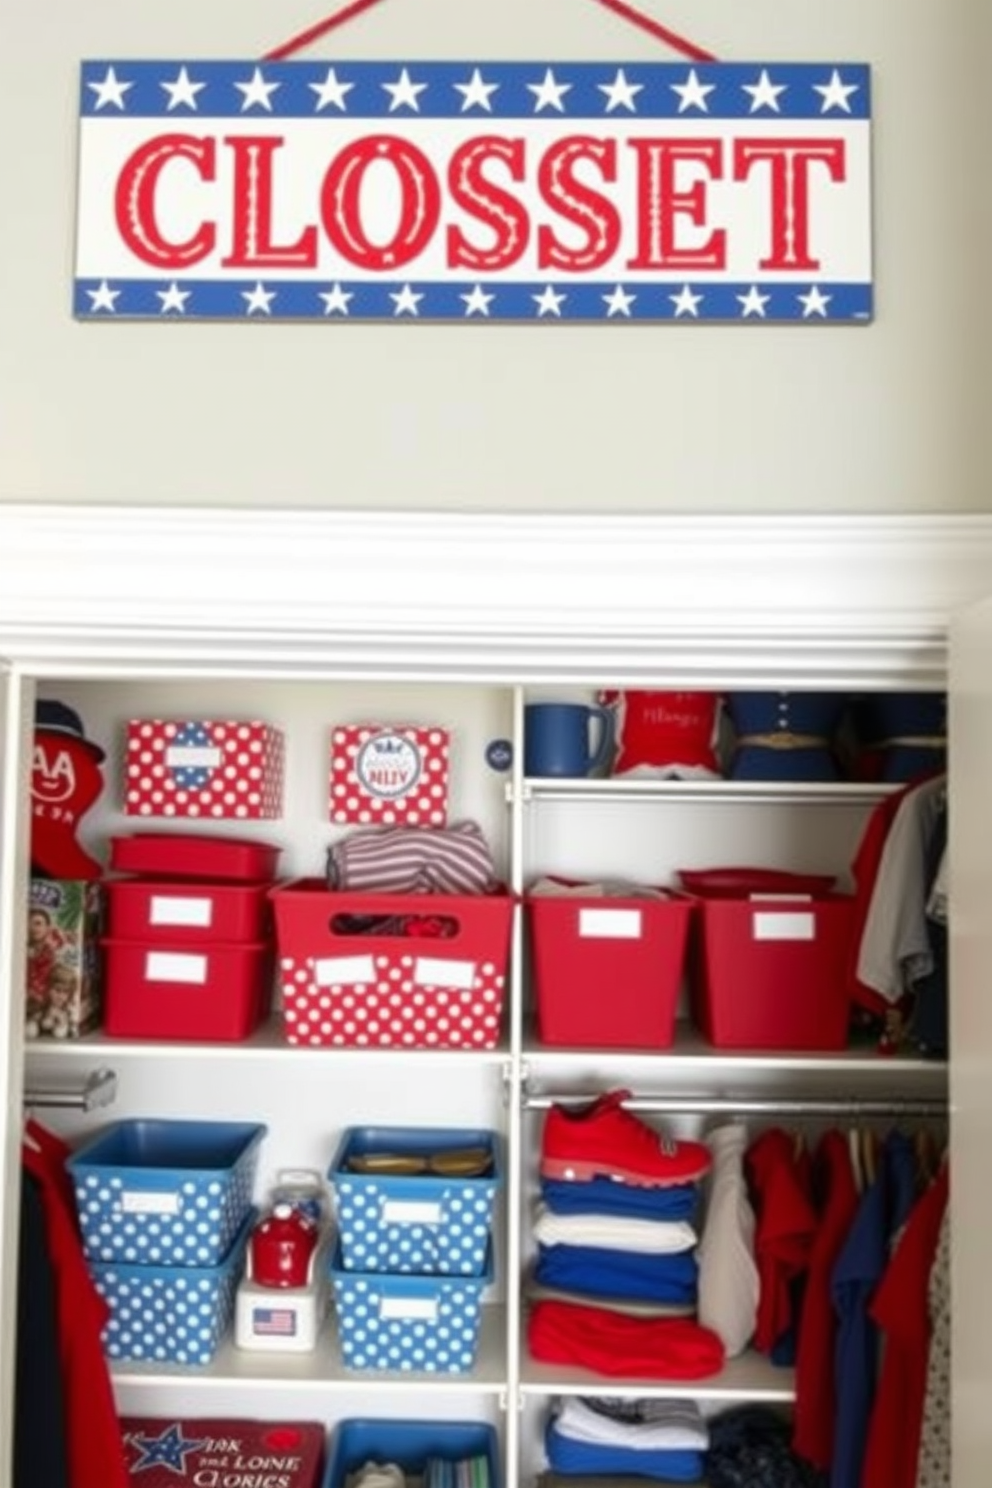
(170, 1314)
(429, 1223)
(408, 1324)
(165, 1193)
(411, 1445)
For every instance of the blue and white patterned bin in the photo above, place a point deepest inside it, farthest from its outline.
(410, 1324)
(165, 1193)
(423, 1224)
(410, 1444)
(170, 1314)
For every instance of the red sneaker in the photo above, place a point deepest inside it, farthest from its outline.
(604, 1140)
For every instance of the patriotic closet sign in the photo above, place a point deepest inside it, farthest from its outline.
(539, 192)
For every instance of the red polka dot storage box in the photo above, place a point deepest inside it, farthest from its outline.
(432, 1222)
(219, 770)
(436, 980)
(389, 775)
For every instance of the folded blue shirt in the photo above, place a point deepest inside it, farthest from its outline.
(595, 1272)
(606, 1196)
(566, 1455)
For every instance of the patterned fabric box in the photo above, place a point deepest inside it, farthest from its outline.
(172, 1314)
(218, 769)
(170, 1193)
(411, 1324)
(389, 776)
(422, 1223)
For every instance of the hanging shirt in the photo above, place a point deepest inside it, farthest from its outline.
(837, 1202)
(901, 1309)
(933, 1469)
(882, 1211)
(729, 1286)
(785, 1226)
(41, 1455)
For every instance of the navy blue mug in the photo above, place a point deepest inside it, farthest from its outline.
(557, 739)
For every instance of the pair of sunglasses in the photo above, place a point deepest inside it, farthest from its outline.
(459, 1162)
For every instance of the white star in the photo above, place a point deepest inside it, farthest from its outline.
(183, 90)
(620, 93)
(331, 90)
(103, 298)
(753, 303)
(475, 93)
(692, 93)
(406, 301)
(405, 91)
(549, 301)
(619, 302)
(258, 299)
(685, 302)
(836, 93)
(550, 93)
(814, 303)
(764, 93)
(336, 300)
(111, 90)
(173, 298)
(478, 302)
(257, 92)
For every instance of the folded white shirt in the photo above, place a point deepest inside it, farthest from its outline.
(613, 1232)
(675, 1425)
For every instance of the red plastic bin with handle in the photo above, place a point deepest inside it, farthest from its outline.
(435, 980)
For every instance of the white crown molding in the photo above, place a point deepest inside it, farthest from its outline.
(551, 597)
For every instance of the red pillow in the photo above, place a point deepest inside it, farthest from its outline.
(665, 733)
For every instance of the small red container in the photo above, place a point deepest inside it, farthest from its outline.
(607, 971)
(173, 913)
(194, 855)
(771, 972)
(214, 993)
(415, 991)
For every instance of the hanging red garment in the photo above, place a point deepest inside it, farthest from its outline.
(92, 1426)
(785, 1226)
(901, 1309)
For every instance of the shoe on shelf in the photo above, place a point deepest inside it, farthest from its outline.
(604, 1139)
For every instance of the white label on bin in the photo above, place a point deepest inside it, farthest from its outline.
(781, 926)
(344, 971)
(167, 966)
(396, 1212)
(193, 756)
(169, 911)
(409, 1307)
(610, 924)
(150, 1203)
(432, 971)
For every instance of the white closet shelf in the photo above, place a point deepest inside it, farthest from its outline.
(749, 1377)
(284, 1373)
(716, 792)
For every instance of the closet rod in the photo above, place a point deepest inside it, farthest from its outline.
(99, 1090)
(747, 1106)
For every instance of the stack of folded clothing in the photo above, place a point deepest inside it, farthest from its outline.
(615, 1281)
(659, 1439)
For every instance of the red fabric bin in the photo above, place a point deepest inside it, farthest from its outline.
(771, 972)
(607, 971)
(383, 991)
(194, 855)
(214, 993)
(173, 913)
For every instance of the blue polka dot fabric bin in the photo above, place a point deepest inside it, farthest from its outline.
(165, 1193)
(408, 1324)
(411, 1445)
(425, 1223)
(170, 1314)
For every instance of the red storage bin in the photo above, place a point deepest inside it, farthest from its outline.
(214, 993)
(194, 855)
(607, 971)
(770, 972)
(412, 991)
(174, 913)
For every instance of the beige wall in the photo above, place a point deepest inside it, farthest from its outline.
(878, 418)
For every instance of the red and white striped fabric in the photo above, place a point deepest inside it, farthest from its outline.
(413, 860)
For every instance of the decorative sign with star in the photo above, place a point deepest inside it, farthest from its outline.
(433, 191)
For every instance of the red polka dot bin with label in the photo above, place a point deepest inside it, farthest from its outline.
(386, 775)
(218, 770)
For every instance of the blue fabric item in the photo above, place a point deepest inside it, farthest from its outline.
(883, 1210)
(903, 715)
(814, 713)
(605, 1196)
(566, 1455)
(593, 1272)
